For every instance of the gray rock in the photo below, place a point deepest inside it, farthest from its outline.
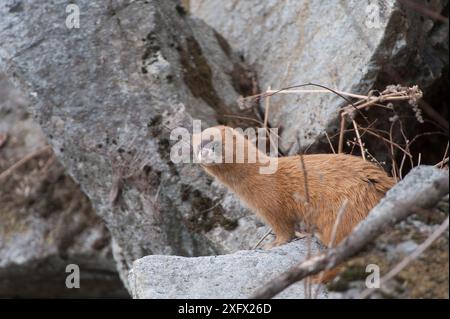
(236, 275)
(406, 247)
(106, 96)
(46, 222)
(418, 179)
(354, 46)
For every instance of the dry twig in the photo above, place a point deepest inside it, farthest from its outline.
(262, 239)
(337, 222)
(8, 172)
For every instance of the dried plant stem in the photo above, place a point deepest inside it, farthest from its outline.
(329, 142)
(394, 163)
(433, 114)
(406, 94)
(336, 224)
(341, 134)
(369, 131)
(262, 239)
(8, 172)
(244, 118)
(359, 140)
(317, 91)
(267, 110)
(445, 155)
(442, 163)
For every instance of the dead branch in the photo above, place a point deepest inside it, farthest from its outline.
(337, 222)
(329, 142)
(262, 239)
(390, 142)
(266, 112)
(442, 163)
(361, 145)
(388, 212)
(8, 172)
(425, 11)
(433, 114)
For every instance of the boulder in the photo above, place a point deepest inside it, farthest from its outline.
(236, 275)
(107, 95)
(46, 222)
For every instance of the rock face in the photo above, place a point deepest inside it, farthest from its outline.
(108, 93)
(46, 222)
(354, 46)
(237, 275)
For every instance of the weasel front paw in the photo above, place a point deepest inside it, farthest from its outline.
(276, 243)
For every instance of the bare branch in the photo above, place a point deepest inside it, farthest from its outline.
(361, 145)
(262, 239)
(4, 175)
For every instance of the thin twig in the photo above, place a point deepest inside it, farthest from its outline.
(8, 172)
(307, 282)
(432, 113)
(211, 208)
(394, 163)
(336, 224)
(267, 109)
(359, 140)
(329, 142)
(445, 155)
(341, 134)
(442, 163)
(244, 118)
(273, 92)
(371, 132)
(357, 96)
(262, 238)
(407, 147)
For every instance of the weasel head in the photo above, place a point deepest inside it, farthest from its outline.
(208, 145)
(222, 144)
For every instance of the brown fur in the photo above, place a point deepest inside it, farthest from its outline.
(280, 198)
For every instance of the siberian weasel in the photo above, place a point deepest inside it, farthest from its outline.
(280, 199)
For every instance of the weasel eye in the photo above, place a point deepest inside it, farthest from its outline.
(216, 146)
(204, 143)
